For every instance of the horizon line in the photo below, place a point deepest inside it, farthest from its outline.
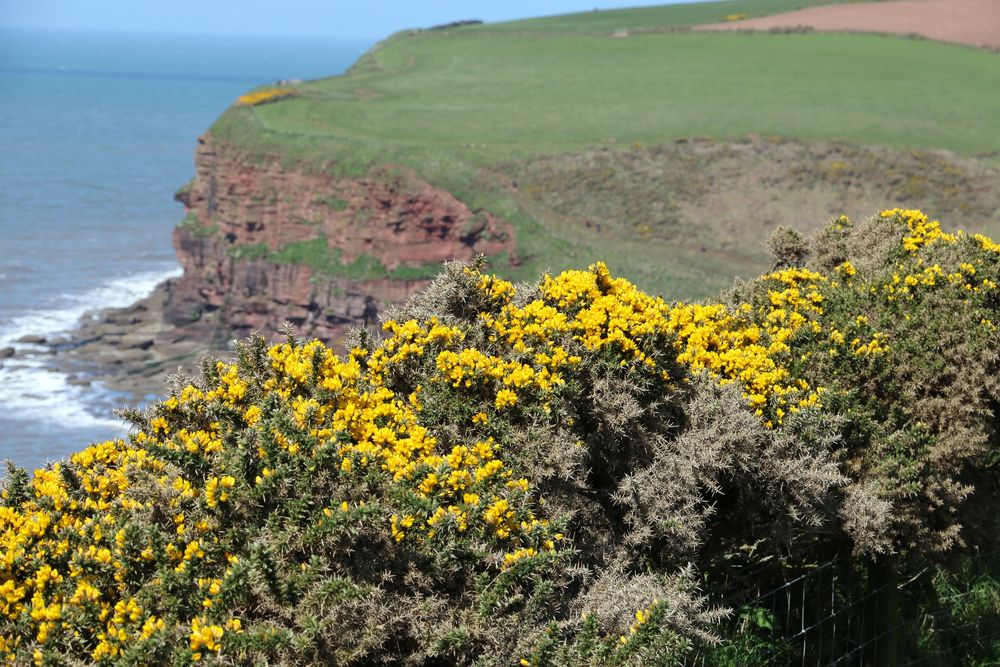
(195, 33)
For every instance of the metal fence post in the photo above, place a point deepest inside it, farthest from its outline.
(883, 624)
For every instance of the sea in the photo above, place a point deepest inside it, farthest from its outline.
(97, 131)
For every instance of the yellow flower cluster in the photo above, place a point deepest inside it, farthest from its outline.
(204, 637)
(923, 232)
(609, 312)
(986, 243)
(265, 95)
(231, 388)
(591, 307)
(914, 276)
(588, 306)
(66, 557)
(213, 496)
(751, 346)
(642, 617)
(473, 366)
(496, 289)
(847, 270)
(747, 346)
(374, 429)
(904, 285)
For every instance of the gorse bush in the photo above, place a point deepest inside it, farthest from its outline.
(265, 95)
(533, 474)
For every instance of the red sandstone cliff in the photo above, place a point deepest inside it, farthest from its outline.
(242, 211)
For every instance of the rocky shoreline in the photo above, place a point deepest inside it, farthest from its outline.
(130, 351)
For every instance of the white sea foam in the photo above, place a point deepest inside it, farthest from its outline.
(116, 293)
(30, 389)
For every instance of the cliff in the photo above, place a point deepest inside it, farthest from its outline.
(265, 243)
(583, 157)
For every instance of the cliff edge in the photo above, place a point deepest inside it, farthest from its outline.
(550, 144)
(263, 243)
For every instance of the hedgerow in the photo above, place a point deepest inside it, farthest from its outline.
(533, 474)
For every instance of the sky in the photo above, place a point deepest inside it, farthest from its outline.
(321, 18)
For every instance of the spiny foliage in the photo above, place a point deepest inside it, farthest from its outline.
(523, 473)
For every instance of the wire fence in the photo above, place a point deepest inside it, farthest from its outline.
(844, 613)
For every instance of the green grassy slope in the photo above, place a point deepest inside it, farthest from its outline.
(454, 105)
(651, 18)
(524, 95)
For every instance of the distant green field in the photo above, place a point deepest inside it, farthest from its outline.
(454, 106)
(646, 18)
(493, 97)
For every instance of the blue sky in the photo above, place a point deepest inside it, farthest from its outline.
(334, 18)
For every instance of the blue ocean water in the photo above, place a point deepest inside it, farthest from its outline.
(97, 131)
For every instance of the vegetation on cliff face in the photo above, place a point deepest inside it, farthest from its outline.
(551, 473)
(263, 243)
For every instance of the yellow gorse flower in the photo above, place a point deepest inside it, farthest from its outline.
(266, 95)
(70, 554)
(922, 231)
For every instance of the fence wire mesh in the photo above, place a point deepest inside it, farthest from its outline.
(842, 613)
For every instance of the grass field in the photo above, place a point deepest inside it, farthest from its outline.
(453, 105)
(652, 18)
(491, 97)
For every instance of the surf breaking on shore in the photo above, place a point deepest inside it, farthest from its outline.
(38, 387)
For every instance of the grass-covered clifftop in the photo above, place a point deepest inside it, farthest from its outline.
(560, 473)
(666, 17)
(472, 110)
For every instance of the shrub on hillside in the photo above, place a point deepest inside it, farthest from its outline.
(535, 473)
(265, 95)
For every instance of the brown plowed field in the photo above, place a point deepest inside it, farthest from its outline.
(973, 22)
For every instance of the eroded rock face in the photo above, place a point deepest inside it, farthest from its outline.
(263, 244)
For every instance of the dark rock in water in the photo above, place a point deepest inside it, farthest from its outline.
(122, 320)
(142, 345)
(132, 357)
(77, 381)
(6, 352)
(32, 339)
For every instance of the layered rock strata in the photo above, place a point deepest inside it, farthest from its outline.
(263, 244)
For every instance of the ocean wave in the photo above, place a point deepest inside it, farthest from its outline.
(31, 389)
(115, 293)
